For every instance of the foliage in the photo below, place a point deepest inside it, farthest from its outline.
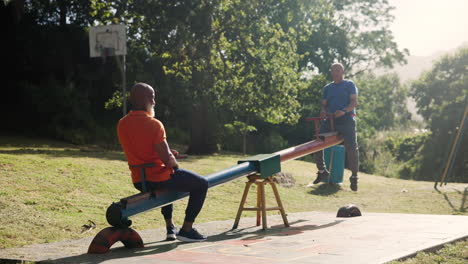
(441, 96)
(58, 13)
(238, 127)
(381, 106)
(445, 83)
(273, 142)
(255, 65)
(353, 32)
(212, 62)
(115, 102)
(246, 57)
(403, 148)
(382, 103)
(388, 152)
(58, 91)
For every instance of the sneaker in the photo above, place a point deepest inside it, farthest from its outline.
(321, 176)
(191, 236)
(353, 180)
(171, 233)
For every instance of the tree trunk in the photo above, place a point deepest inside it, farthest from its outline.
(244, 142)
(18, 5)
(203, 138)
(63, 13)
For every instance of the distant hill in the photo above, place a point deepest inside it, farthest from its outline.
(418, 64)
(414, 68)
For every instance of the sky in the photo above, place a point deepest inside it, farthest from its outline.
(429, 26)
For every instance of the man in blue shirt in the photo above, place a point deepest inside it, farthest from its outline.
(340, 99)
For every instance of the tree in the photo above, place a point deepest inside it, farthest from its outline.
(382, 103)
(440, 95)
(238, 127)
(48, 70)
(353, 32)
(382, 106)
(218, 62)
(260, 49)
(254, 66)
(232, 58)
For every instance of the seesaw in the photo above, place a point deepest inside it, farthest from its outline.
(259, 169)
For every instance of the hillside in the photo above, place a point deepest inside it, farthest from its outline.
(418, 64)
(411, 71)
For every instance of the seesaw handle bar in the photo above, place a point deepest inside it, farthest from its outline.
(317, 120)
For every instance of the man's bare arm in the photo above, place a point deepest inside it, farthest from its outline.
(323, 108)
(165, 154)
(353, 102)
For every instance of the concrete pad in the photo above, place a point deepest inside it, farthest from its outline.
(314, 237)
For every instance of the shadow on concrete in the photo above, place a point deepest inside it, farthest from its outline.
(277, 230)
(119, 253)
(158, 247)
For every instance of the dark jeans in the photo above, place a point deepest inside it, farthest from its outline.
(182, 181)
(346, 126)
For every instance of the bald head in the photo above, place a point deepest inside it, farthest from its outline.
(337, 72)
(142, 97)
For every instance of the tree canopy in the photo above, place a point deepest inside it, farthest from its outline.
(441, 95)
(214, 63)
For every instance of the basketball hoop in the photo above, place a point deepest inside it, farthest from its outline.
(106, 52)
(110, 40)
(103, 37)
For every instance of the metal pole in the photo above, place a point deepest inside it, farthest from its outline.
(124, 81)
(455, 146)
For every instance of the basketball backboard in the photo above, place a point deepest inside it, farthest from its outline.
(111, 38)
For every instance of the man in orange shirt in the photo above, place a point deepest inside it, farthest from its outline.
(153, 165)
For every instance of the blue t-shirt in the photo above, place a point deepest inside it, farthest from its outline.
(337, 95)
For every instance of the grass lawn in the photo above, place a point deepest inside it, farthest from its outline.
(51, 189)
(456, 253)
